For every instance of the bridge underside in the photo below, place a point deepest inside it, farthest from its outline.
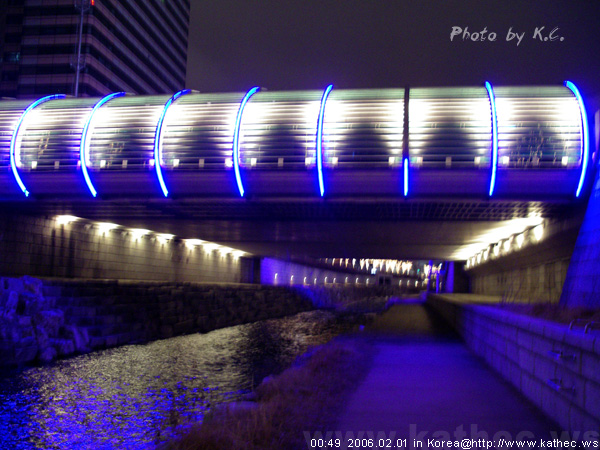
(303, 229)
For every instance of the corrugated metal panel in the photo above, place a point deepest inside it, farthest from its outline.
(538, 128)
(49, 138)
(198, 131)
(363, 129)
(450, 127)
(10, 111)
(279, 130)
(122, 133)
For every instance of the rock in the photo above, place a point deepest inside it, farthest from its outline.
(12, 301)
(24, 321)
(33, 303)
(47, 355)
(79, 337)
(32, 285)
(9, 331)
(41, 337)
(50, 320)
(64, 347)
(13, 284)
(26, 351)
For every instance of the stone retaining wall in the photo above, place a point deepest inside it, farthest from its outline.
(41, 320)
(556, 368)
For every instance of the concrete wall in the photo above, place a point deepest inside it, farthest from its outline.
(277, 272)
(582, 285)
(39, 246)
(539, 283)
(556, 368)
(282, 273)
(535, 273)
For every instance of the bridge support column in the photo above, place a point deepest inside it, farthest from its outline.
(582, 285)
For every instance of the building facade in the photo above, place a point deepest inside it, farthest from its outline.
(136, 46)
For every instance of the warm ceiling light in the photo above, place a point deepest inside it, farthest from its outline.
(104, 227)
(538, 232)
(137, 233)
(164, 237)
(65, 219)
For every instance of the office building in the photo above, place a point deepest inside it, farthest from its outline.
(136, 46)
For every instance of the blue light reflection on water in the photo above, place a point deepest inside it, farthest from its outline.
(132, 396)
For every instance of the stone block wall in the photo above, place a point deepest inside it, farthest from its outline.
(556, 368)
(40, 246)
(41, 320)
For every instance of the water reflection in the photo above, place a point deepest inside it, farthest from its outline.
(131, 397)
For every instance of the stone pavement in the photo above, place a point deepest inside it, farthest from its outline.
(424, 383)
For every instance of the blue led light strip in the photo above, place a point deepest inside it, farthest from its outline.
(405, 164)
(13, 140)
(320, 139)
(84, 146)
(158, 141)
(584, 133)
(236, 139)
(492, 97)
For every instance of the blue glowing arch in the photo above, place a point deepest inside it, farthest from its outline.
(320, 139)
(405, 164)
(236, 139)
(158, 141)
(490, 91)
(584, 131)
(13, 140)
(84, 145)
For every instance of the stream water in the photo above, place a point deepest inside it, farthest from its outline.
(135, 396)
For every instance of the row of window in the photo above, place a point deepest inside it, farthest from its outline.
(184, 12)
(181, 30)
(109, 24)
(89, 68)
(69, 49)
(178, 45)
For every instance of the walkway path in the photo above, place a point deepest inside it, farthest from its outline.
(424, 383)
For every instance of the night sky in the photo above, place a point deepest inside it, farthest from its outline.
(308, 44)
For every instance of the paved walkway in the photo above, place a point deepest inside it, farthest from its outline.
(424, 383)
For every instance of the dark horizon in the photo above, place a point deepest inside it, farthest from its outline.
(307, 45)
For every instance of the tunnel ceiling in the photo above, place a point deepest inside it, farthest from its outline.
(304, 229)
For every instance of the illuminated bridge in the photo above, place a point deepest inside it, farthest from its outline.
(195, 163)
(502, 142)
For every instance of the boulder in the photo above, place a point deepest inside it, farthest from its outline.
(32, 285)
(9, 331)
(47, 355)
(29, 304)
(26, 351)
(64, 347)
(41, 337)
(79, 337)
(13, 284)
(12, 301)
(50, 320)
